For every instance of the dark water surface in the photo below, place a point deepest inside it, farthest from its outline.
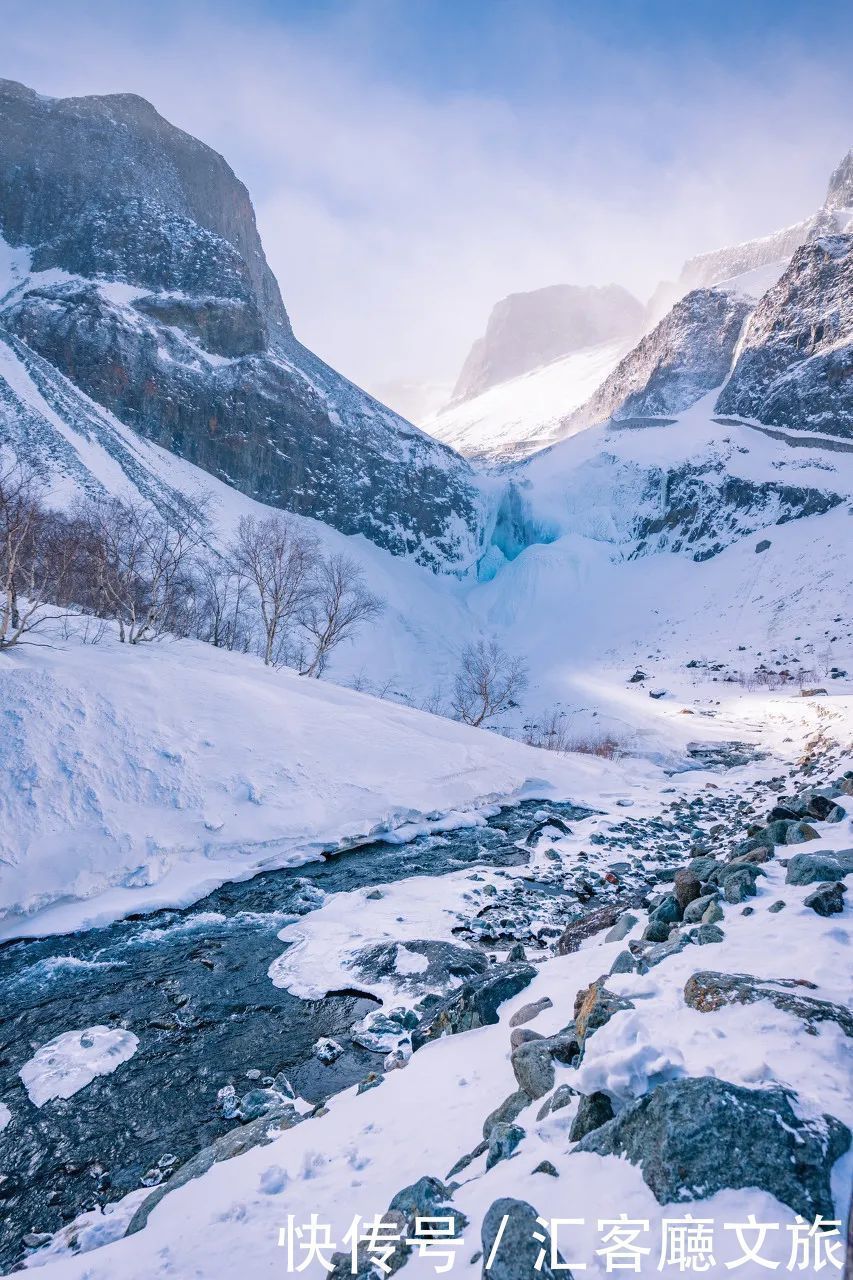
(193, 986)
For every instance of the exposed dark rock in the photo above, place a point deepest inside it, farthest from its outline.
(686, 355)
(562, 1097)
(794, 367)
(807, 868)
(475, 1004)
(708, 991)
(508, 1229)
(828, 900)
(595, 1110)
(503, 1140)
(204, 361)
(714, 1135)
(508, 1111)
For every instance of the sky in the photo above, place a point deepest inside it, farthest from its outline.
(411, 162)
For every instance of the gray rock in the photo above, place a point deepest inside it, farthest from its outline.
(594, 1007)
(503, 1140)
(622, 927)
(528, 1012)
(712, 914)
(828, 900)
(807, 868)
(545, 1166)
(562, 1097)
(687, 888)
(510, 1224)
(708, 991)
(523, 1035)
(793, 367)
(507, 1111)
(534, 1069)
(707, 933)
(595, 1110)
(695, 910)
(714, 1135)
(475, 1004)
(656, 931)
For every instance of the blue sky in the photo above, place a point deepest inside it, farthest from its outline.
(412, 161)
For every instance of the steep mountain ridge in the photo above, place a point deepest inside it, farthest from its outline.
(140, 276)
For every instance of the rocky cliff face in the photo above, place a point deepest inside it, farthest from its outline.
(147, 286)
(528, 330)
(795, 368)
(686, 355)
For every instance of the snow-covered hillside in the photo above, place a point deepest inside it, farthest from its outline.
(135, 778)
(522, 415)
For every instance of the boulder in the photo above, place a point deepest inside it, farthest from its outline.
(474, 1004)
(828, 900)
(807, 868)
(503, 1140)
(511, 1224)
(562, 1096)
(594, 1007)
(508, 1110)
(707, 1133)
(528, 1012)
(686, 887)
(595, 1110)
(707, 991)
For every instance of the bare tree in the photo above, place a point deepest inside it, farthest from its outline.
(140, 567)
(221, 606)
(279, 563)
(338, 604)
(36, 553)
(489, 681)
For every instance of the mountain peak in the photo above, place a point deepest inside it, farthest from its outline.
(528, 330)
(839, 193)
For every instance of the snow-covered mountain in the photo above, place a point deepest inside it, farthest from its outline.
(528, 330)
(134, 268)
(754, 266)
(524, 414)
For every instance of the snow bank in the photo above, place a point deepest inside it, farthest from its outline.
(140, 777)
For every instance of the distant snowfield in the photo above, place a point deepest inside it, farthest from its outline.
(515, 418)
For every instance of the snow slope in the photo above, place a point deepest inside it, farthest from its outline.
(135, 778)
(516, 418)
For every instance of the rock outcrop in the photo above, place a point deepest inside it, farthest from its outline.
(145, 285)
(795, 368)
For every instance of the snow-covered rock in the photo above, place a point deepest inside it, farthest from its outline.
(687, 354)
(795, 366)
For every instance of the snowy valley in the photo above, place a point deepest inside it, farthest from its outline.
(282, 956)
